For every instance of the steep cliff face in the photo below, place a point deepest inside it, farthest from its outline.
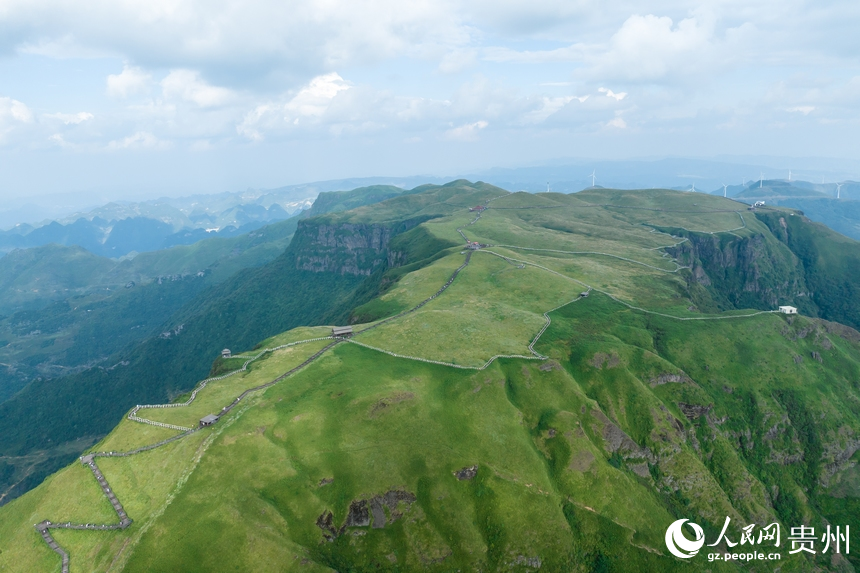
(345, 248)
(742, 272)
(358, 249)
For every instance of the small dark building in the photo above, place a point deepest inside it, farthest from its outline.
(584, 294)
(341, 331)
(226, 353)
(208, 420)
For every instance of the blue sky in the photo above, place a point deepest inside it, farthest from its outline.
(145, 98)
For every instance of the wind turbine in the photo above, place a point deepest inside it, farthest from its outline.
(789, 174)
(760, 180)
(547, 186)
(838, 188)
(592, 177)
(725, 187)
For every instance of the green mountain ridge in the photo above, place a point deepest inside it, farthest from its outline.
(111, 357)
(653, 382)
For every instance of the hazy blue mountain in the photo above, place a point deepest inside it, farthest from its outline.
(782, 189)
(116, 238)
(227, 214)
(567, 176)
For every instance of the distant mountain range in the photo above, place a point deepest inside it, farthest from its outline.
(118, 229)
(567, 176)
(564, 175)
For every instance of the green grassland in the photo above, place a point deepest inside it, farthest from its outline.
(492, 308)
(648, 409)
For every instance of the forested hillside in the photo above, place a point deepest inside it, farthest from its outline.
(143, 343)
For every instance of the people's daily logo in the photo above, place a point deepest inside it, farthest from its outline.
(678, 544)
(835, 539)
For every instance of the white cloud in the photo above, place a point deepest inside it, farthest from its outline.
(656, 49)
(330, 103)
(804, 109)
(646, 48)
(60, 141)
(139, 140)
(549, 106)
(13, 116)
(310, 103)
(298, 39)
(548, 18)
(314, 99)
(617, 122)
(187, 85)
(210, 71)
(202, 145)
(130, 81)
(467, 132)
(70, 118)
(457, 61)
(63, 46)
(609, 93)
(574, 53)
(650, 47)
(14, 110)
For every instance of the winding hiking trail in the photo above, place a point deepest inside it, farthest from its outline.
(124, 521)
(89, 460)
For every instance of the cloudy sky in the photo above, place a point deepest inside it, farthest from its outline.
(174, 96)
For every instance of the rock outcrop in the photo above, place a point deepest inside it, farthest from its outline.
(348, 248)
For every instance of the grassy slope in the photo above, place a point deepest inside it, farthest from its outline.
(551, 481)
(73, 411)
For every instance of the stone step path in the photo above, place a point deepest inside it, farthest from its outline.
(135, 418)
(42, 528)
(234, 403)
(89, 460)
(124, 520)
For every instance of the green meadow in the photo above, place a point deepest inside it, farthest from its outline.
(363, 461)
